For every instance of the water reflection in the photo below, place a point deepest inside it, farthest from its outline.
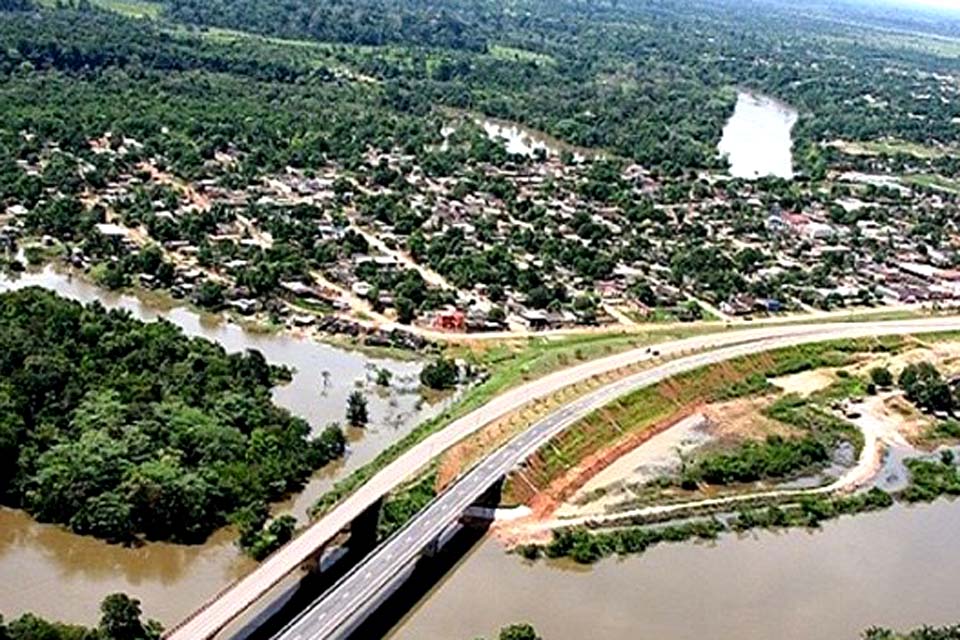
(757, 138)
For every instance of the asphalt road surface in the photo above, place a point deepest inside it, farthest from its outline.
(226, 606)
(329, 615)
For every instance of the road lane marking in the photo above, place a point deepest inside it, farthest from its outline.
(546, 428)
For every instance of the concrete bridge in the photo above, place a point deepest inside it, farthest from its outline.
(351, 600)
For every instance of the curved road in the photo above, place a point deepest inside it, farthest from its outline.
(230, 603)
(346, 601)
(868, 464)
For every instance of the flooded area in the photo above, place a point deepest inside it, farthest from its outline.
(896, 568)
(661, 455)
(757, 139)
(517, 140)
(59, 575)
(73, 573)
(521, 140)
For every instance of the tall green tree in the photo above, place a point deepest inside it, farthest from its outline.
(357, 414)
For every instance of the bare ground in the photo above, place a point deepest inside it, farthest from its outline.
(886, 419)
(743, 419)
(806, 382)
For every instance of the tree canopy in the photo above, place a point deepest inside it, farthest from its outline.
(122, 429)
(120, 619)
(925, 386)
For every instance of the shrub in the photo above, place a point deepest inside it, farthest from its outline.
(441, 374)
(881, 377)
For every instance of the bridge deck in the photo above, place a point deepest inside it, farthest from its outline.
(238, 597)
(358, 592)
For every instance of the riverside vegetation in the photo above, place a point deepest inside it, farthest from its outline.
(120, 619)
(587, 547)
(929, 477)
(778, 457)
(924, 633)
(127, 430)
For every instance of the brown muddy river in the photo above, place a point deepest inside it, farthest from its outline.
(49, 571)
(898, 568)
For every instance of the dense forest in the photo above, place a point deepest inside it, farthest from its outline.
(122, 429)
(364, 22)
(649, 81)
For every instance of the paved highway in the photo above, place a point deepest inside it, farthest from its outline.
(226, 606)
(333, 613)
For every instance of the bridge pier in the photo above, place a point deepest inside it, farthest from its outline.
(363, 530)
(317, 573)
(491, 497)
(314, 563)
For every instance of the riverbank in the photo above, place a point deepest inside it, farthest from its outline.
(73, 573)
(848, 575)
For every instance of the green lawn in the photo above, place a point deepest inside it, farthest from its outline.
(226, 36)
(937, 45)
(891, 147)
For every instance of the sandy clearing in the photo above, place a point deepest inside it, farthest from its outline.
(896, 409)
(722, 422)
(881, 428)
(743, 419)
(656, 457)
(945, 355)
(805, 382)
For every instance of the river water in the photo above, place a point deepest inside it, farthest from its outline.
(59, 575)
(897, 568)
(525, 141)
(757, 139)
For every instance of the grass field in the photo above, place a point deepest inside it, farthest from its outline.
(937, 45)
(933, 181)
(130, 8)
(891, 147)
(649, 406)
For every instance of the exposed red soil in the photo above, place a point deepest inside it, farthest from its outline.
(545, 502)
